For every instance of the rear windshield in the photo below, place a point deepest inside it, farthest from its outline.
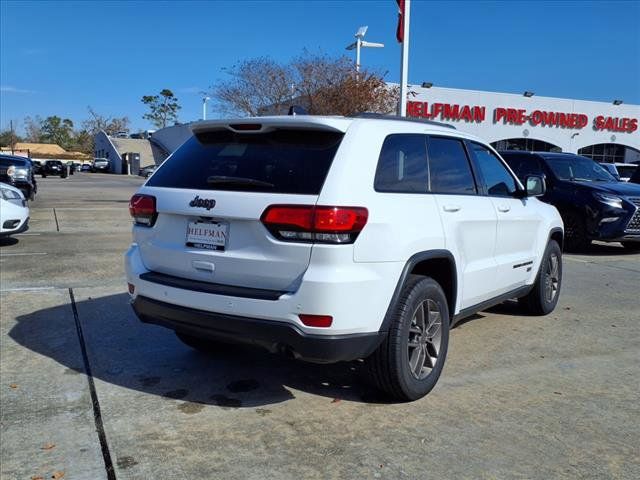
(281, 161)
(6, 162)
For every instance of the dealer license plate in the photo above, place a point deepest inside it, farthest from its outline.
(208, 235)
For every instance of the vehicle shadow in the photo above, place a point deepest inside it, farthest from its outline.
(8, 241)
(125, 352)
(605, 249)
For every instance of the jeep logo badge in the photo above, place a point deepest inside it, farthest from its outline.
(207, 203)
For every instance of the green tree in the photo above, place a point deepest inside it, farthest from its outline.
(9, 138)
(83, 141)
(163, 108)
(58, 130)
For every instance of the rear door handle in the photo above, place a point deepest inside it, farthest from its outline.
(504, 208)
(451, 208)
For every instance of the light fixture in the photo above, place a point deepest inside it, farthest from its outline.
(360, 43)
(528, 94)
(427, 84)
(617, 102)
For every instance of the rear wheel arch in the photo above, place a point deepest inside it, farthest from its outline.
(440, 265)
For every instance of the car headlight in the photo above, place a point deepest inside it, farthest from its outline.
(11, 196)
(611, 200)
(20, 173)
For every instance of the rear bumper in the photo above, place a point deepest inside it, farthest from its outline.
(355, 295)
(278, 337)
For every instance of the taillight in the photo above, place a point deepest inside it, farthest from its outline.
(143, 210)
(310, 223)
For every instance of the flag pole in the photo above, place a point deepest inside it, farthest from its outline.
(404, 63)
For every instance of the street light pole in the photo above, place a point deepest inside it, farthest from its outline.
(205, 99)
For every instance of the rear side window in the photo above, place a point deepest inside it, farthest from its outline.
(402, 166)
(497, 179)
(281, 161)
(449, 167)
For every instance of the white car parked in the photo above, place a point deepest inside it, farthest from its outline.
(333, 239)
(14, 212)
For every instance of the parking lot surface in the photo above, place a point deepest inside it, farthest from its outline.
(88, 391)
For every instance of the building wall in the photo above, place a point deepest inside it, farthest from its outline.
(170, 138)
(103, 148)
(499, 116)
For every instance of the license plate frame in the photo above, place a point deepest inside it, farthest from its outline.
(207, 235)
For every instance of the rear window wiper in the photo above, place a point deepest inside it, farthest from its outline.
(238, 181)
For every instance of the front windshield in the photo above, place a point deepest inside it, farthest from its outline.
(6, 162)
(580, 169)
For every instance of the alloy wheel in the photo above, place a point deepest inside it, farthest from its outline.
(425, 337)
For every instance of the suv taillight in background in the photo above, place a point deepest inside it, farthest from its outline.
(311, 223)
(143, 210)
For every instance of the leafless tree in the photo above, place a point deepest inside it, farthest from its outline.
(111, 125)
(254, 86)
(321, 84)
(33, 129)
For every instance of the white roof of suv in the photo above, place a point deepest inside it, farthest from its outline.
(334, 123)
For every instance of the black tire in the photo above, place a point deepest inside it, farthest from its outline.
(541, 300)
(575, 232)
(389, 366)
(44, 175)
(632, 246)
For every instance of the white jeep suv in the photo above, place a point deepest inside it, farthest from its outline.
(333, 239)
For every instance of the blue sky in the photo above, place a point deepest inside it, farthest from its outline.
(58, 57)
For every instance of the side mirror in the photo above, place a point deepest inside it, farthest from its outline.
(535, 185)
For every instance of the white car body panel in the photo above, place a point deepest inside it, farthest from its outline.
(354, 283)
(10, 211)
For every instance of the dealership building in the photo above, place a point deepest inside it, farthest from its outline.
(606, 132)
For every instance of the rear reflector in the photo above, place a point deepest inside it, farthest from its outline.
(311, 223)
(143, 209)
(316, 320)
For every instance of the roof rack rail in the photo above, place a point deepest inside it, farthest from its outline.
(383, 116)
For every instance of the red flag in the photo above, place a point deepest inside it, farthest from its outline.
(400, 29)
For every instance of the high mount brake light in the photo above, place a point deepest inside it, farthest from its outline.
(311, 223)
(143, 209)
(246, 126)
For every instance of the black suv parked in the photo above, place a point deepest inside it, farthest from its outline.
(54, 167)
(593, 205)
(18, 171)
